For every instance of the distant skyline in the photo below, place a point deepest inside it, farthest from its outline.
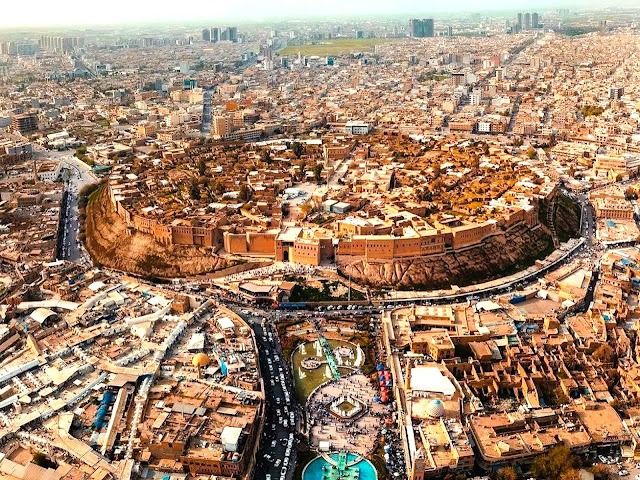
(39, 13)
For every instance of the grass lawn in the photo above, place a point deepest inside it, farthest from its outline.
(338, 46)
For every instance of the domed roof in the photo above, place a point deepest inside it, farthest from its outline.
(435, 409)
(200, 360)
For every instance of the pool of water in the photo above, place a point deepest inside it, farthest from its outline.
(306, 381)
(314, 470)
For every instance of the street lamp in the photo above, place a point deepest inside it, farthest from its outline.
(348, 265)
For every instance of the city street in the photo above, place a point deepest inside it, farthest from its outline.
(76, 174)
(205, 127)
(276, 457)
(70, 242)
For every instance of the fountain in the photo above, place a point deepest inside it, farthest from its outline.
(359, 359)
(344, 355)
(341, 465)
(309, 358)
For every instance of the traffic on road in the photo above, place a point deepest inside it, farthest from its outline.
(276, 457)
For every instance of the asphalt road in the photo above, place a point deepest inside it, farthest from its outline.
(514, 114)
(277, 454)
(77, 174)
(588, 226)
(206, 112)
(71, 224)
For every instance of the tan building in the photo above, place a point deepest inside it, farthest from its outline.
(338, 152)
(614, 166)
(145, 130)
(221, 125)
(387, 247)
(613, 208)
(25, 123)
(436, 344)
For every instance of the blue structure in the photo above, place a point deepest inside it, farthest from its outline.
(107, 399)
(517, 299)
(342, 466)
(293, 305)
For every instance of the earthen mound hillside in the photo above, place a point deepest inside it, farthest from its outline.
(111, 245)
(497, 256)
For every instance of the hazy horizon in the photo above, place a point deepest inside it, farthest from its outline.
(44, 13)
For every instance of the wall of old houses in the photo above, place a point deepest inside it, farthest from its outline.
(252, 243)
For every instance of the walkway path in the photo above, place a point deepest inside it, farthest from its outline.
(331, 359)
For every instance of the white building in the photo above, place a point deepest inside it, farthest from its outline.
(49, 172)
(356, 128)
(475, 97)
(484, 126)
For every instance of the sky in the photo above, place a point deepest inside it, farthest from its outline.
(14, 13)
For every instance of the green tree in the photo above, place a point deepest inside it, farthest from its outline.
(437, 170)
(455, 476)
(298, 149)
(589, 110)
(554, 464)
(245, 193)
(570, 474)
(305, 209)
(601, 471)
(218, 187)
(531, 153)
(266, 157)
(506, 473)
(317, 171)
(552, 394)
(604, 353)
(194, 190)
(202, 168)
